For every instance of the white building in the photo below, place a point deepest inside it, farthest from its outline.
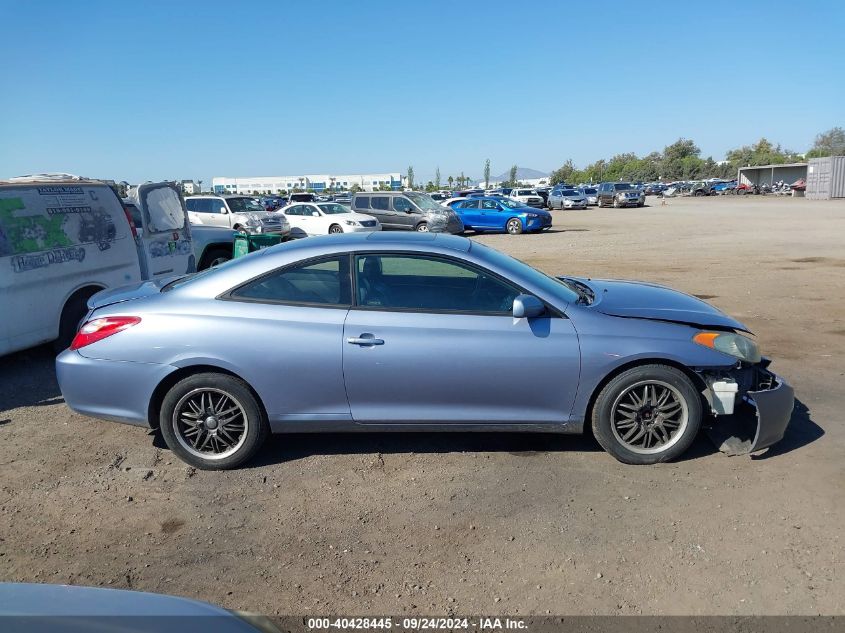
(189, 187)
(316, 182)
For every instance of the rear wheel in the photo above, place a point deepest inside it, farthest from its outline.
(212, 421)
(598, 203)
(647, 414)
(215, 257)
(514, 226)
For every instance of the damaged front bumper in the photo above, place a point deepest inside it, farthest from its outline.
(761, 412)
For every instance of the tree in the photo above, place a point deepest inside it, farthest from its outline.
(437, 178)
(199, 184)
(429, 187)
(512, 176)
(830, 143)
(450, 180)
(564, 174)
(487, 174)
(355, 188)
(463, 180)
(763, 152)
(410, 176)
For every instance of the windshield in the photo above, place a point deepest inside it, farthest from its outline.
(569, 192)
(331, 209)
(424, 202)
(546, 283)
(244, 205)
(512, 204)
(623, 186)
(590, 190)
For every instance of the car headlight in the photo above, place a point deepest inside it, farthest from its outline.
(532, 215)
(350, 223)
(735, 345)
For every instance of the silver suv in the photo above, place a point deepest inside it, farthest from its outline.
(407, 210)
(241, 213)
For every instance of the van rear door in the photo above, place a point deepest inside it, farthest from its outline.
(166, 234)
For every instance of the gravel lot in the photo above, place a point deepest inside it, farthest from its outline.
(470, 524)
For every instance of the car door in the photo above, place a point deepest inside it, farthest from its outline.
(432, 339)
(216, 212)
(492, 214)
(284, 331)
(470, 213)
(297, 226)
(310, 224)
(407, 215)
(165, 234)
(382, 209)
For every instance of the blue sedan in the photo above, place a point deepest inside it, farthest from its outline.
(395, 332)
(495, 213)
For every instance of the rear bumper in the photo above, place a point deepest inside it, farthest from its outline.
(119, 391)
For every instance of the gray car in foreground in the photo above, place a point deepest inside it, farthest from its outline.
(398, 332)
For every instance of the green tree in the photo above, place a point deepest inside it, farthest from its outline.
(355, 188)
(830, 143)
(410, 176)
(450, 180)
(563, 174)
(429, 187)
(437, 178)
(512, 176)
(487, 174)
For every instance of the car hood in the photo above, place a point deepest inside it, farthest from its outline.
(640, 300)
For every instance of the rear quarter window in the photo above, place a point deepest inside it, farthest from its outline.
(362, 202)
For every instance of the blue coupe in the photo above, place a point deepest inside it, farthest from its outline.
(396, 332)
(495, 213)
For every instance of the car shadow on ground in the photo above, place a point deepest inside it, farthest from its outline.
(28, 379)
(800, 432)
(295, 446)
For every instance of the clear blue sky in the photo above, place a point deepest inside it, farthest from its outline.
(154, 90)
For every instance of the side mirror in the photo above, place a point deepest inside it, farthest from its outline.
(223, 210)
(527, 306)
(316, 214)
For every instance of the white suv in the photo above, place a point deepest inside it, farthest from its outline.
(528, 196)
(241, 213)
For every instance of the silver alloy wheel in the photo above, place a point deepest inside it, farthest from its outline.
(514, 226)
(335, 228)
(422, 227)
(649, 417)
(221, 259)
(210, 423)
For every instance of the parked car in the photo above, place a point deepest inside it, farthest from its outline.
(544, 192)
(591, 194)
(407, 210)
(236, 212)
(41, 607)
(343, 198)
(567, 199)
(501, 214)
(324, 218)
(335, 322)
(64, 238)
(439, 197)
(302, 197)
(527, 196)
(451, 202)
(654, 189)
(721, 188)
(619, 194)
(504, 191)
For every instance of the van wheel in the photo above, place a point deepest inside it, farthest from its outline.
(72, 314)
(422, 227)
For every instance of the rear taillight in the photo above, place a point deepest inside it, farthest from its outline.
(98, 329)
(131, 222)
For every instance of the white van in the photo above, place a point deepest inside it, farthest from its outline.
(64, 238)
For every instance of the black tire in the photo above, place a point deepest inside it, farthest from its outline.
(248, 443)
(599, 204)
(514, 226)
(72, 314)
(334, 229)
(680, 388)
(215, 257)
(422, 227)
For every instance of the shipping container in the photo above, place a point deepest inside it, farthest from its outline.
(826, 178)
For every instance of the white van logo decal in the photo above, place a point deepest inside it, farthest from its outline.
(23, 263)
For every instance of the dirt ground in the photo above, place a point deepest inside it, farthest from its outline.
(433, 524)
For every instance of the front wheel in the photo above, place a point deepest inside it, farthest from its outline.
(212, 421)
(422, 227)
(647, 414)
(598, 203)
(615, 203)
(514, 226)
(334, 229)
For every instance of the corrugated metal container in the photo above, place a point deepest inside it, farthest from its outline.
(826, 178)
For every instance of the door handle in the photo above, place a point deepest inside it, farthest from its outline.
(366, 340)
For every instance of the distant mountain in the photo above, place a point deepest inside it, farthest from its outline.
(522, 173)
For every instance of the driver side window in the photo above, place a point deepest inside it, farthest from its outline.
(401, 204)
